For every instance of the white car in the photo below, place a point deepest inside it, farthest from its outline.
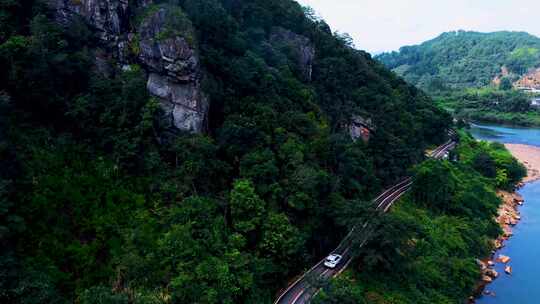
(332, 260)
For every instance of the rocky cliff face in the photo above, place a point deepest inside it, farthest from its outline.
(174, 71)
(165, 49)
(301, 47)
(360, 128)
(109, 17)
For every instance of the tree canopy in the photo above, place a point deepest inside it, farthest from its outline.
(425, 249)
(465, 59)
(101, 203)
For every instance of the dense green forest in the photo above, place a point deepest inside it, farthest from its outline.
(462, 59)
(490, 105)
(425, 249)
(473, 74)
(102, 203)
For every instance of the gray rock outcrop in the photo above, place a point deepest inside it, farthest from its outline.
(166, 51)
(109, 17)
(303, 49)
(174, 72)
(361, 128)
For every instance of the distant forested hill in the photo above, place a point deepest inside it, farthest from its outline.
(466, 59)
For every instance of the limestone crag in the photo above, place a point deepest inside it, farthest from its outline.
(184, 105)
(109, 17)
(168, 56)
(173, 55)
(301, 47)
(174, 72)
(360, 128)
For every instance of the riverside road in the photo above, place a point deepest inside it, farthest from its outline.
(302, 290)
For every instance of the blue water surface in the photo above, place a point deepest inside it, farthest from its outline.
(510, 135)
(523, 286)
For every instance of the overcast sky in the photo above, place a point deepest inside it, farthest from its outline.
(383, 25)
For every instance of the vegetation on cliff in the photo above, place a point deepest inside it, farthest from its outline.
(101, 203)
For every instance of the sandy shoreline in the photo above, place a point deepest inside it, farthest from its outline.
(528, 156)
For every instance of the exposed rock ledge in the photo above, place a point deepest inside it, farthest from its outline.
(170, 59)
(174, 72)
(164, 45)
(301, 47)
(508, 216)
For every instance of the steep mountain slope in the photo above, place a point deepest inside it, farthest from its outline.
(187, 151)
(466, 59)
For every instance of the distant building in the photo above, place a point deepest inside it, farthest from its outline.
(528, 90)
(535, 102)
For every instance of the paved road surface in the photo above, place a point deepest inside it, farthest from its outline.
(301, 291)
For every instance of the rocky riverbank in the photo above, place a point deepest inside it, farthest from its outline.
(508, 217)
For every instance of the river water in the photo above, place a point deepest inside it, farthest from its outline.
(523, 286)
(514, 135)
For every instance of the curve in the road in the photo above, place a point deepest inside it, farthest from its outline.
(301, 291)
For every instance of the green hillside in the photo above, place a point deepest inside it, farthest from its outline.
(465, 59)
(112, 191)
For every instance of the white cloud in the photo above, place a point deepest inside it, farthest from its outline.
(382, 25)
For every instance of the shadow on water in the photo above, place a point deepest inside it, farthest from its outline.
(486, 132)
(506, 134)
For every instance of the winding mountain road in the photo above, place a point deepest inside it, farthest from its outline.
(302, 290)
